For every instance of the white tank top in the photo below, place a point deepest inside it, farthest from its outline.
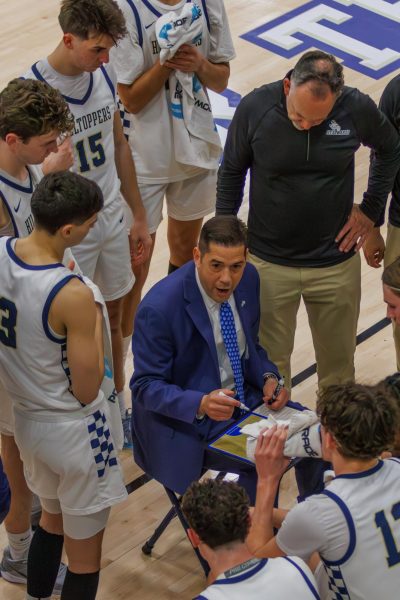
(370, 502)
(16, 198)
(272, 579)
(150, 131)
(33, 359)
(91, 99)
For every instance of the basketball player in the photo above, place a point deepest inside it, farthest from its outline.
(143, 85)
(391, 383)
(34, 118)
(218, 514)
(78, 69)
(354, 524)
(51, 363)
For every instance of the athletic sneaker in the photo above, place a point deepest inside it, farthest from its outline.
(126, 425)
(15, 571)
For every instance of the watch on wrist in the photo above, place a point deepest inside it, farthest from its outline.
(270, 376)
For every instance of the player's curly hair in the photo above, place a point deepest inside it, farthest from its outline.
(363, 419)
(391, 384)
(84, 18)
(218, 511)
(391, 276)
(29, 108)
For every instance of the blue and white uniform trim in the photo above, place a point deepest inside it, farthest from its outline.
(101, 443)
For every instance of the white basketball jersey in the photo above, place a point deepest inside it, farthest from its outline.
(151, 131)
(16, 198)
(370, 502)
(33, 359)
(269, 579)
(146, 13)
(91, 99)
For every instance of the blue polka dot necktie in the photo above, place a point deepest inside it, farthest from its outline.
(229, 337)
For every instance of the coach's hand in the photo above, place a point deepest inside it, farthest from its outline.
(217, 406)
(354, 233)
(268, 392)
(374, 248)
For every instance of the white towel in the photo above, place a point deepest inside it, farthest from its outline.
(107, 386)
(303, 439)
(196, 139)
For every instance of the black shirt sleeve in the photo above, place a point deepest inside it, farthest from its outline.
(376, 132)
(390, 106)
(236, 161)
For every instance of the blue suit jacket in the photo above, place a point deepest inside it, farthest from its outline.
(175, 364)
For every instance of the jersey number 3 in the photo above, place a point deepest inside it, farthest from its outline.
(90, 149)
(8, 322)
(381, 521)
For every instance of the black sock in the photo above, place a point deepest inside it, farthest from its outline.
(43, 562)
(80, 586)
(172, 268)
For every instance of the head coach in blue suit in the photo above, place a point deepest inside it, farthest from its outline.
(184, 358)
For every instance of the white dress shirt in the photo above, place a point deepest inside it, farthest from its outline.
(225, 369)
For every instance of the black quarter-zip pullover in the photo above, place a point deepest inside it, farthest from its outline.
(302, 182)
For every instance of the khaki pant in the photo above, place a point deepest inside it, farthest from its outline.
(332, 299)
(391, 253)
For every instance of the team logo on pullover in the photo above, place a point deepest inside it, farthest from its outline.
(335, 129)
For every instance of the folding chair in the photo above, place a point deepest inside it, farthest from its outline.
(174, 511)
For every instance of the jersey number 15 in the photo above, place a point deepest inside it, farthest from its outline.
(90, 151)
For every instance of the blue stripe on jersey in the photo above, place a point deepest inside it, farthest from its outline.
(350, 524)
(107, 78)
(47, 305)
(25, 265)
(305, 577)
(362, 473)
(157, 14)
(16, 186)
(203, 2)
(138, 22)
(243, 576)
(151, 8)
(3, 198)
(85, 98)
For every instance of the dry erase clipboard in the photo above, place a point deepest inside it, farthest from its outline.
(232, 442)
